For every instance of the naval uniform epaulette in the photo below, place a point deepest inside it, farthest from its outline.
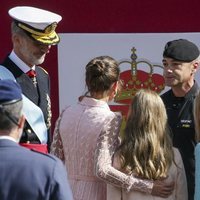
(43, 69)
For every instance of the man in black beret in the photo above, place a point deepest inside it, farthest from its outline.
(46, 181)
(181, 61)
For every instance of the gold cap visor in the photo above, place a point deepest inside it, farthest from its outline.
(47, 36)
(50, 39)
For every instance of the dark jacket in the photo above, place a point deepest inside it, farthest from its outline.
(181, 122)
(22, 178)
(39, 96)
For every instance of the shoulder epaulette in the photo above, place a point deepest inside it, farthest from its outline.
(43, 70)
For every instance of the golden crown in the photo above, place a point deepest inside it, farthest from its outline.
(135, 79)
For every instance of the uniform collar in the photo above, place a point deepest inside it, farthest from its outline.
(25, 68)
(190, 93)
(3, 137)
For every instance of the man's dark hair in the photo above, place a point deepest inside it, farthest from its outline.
(9, 115)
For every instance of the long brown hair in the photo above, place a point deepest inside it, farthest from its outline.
(146, 149)
(101, 73)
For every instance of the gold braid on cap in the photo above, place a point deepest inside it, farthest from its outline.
(47, 31)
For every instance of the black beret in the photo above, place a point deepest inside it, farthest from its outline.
(10, 91)
(181, 50)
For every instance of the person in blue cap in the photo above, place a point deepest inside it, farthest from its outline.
(181, 61)
(45, 181)
(33, 34)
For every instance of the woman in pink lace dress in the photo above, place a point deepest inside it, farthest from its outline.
(146, 150)
(77, 129)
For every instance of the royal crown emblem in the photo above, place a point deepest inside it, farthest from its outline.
(135, 78)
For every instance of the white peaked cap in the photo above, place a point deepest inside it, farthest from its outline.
(38, 23)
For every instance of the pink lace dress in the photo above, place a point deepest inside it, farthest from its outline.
(74, 142)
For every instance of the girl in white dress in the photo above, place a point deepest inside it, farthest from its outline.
(146, 150)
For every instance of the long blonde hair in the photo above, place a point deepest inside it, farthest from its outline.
(197, 116)
(146, 149)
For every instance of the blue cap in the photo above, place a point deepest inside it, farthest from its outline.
(10, 91)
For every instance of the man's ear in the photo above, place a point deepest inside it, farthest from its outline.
(16, 39)
(196, 65)
(21, 122)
